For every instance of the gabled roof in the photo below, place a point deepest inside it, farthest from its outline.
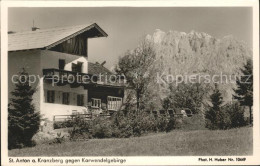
(96, 69)
(47, 38)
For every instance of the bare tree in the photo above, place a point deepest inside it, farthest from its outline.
(137, 66)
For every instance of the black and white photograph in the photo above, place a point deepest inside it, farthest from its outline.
(103, 84)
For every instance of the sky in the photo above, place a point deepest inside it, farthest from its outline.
(127, 26)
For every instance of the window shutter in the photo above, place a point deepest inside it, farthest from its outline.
(53, 96)
(45, 95)
(69, 98)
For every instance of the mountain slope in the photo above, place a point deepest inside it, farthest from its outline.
(180, 53)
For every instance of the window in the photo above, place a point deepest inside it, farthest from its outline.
(50, 96)
(80, 100)
(96, 103)
(77, 67)
(65, 98)
(74, 67)
(61, 64)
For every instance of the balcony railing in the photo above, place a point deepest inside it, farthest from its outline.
(65, 76)
(114, 103)
(71, 77)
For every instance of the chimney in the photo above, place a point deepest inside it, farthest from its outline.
(11, 32)
(102, 64)
(34, 28)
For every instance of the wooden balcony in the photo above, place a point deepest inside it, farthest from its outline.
(75, 79)
(63, 77)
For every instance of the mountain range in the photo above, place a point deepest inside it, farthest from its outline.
(180, 53)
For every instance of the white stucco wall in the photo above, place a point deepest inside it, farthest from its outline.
(50, 59)
(57, 108)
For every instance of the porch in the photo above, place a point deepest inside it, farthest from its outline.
(67, 93)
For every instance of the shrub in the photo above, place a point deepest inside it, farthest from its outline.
(223, 120)
(139, 126)
(186, 96)
(121, 125)
(230, 116)
(195, 122)
(162, 123)
(77, 134)
(102, 130)
(236, 115)
(63, 124)
(148, 123)
(58, 140)
(133, 124)
(81, 128)
(218, 120)
(123, 131)
(171, 124)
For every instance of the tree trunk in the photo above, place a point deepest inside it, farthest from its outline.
(250, 115)
(137, 101)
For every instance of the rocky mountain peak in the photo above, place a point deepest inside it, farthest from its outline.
(198, 52)
(158, 36)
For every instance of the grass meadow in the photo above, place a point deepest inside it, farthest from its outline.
(176, 143)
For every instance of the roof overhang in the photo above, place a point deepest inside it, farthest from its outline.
(98, 32)
(102, 33)
(110, 86)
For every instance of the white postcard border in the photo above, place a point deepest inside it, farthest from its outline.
(140, 160)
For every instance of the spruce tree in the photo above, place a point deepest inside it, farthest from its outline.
(216, 99)
(216, 118)
(244, 90)
(23, 121)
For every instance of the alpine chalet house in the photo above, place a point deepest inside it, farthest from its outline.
(58, 57)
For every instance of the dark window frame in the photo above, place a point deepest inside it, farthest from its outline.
(66, 98)
(96, 103)
(62, 64)
(77, 67)
(80, 100)
(50, 96)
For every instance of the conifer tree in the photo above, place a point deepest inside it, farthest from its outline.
(244, 91)
(216, 99)
(23, 121)
(217, 119)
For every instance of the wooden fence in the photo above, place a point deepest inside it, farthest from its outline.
(89, 116)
